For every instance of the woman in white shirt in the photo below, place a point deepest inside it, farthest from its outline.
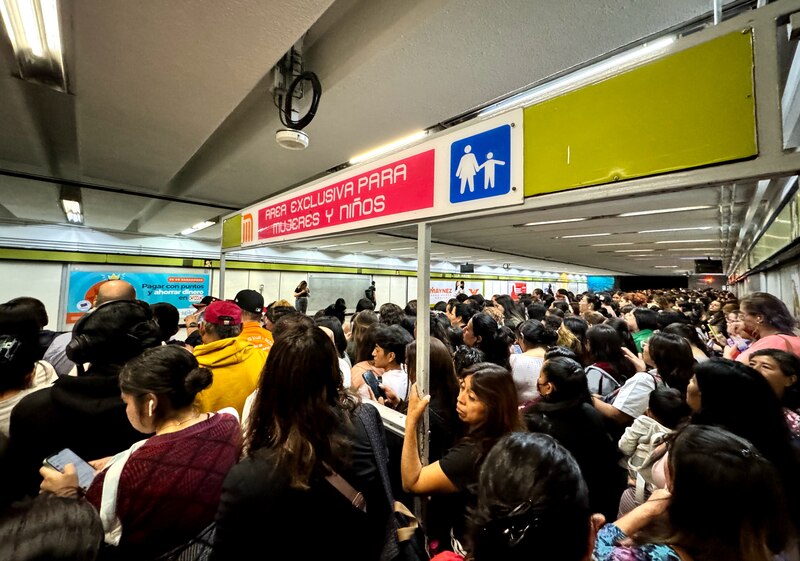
(533, 338)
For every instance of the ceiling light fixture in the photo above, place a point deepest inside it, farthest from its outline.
(663, 210)
(675, 230)
(400, 248)
(684, 241)
(71, 203)
(583, 236)
(342, 244)
(613, 244)
(541, 91)
(632, 250)
(707, 249)
(544, 223)
(33, 28)
(665, 266)
(399, 143)
(197, 227)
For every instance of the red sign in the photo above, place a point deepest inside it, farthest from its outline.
(401, 186)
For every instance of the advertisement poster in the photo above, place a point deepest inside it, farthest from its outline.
(444, 290)
(180, 290)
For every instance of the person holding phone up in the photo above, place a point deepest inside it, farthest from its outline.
(163, 491)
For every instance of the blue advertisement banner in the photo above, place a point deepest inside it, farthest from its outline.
(180, 290)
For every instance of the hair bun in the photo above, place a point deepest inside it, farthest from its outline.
(197, 380)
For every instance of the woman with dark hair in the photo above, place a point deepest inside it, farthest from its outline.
(609, 368)
(444, 390)
(530, 490)
(692, 337)
(50, 528)
(84, 413)
(464, 357)
(340, 342)
(487, 406)
(672, 358)
(533, 338)
(725, 501)
(735, 397)
(642, 323)
(483, 332)
(19, 375)
(306, 446)
(767, 321)
(624, 331)
(513, 314)
(459, 314)
(391, 314)
(337, 310)
(781, 370)
(566, 413)
(168, 486)
(578, 327)
(363, 338)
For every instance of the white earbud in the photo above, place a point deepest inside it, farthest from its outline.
(150, 408)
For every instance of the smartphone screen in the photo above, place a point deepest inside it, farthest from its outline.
(372, 382)
(85, 472)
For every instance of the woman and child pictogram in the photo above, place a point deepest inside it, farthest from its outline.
(468, 167)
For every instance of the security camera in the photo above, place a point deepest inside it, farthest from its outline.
(292, 139)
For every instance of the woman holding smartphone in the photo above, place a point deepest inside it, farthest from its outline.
(487, 405)
(167, 486)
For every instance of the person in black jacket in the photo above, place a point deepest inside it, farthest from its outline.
(566, 413)
(83, 413)
(303, 431)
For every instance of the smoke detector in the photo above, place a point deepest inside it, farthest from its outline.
(292, 139)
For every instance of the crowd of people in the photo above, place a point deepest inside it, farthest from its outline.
(644, 426)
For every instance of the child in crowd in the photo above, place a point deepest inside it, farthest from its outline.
(665, 412)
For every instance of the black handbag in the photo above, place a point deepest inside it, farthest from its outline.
(405, 539)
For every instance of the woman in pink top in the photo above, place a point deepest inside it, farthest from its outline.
(768, 322)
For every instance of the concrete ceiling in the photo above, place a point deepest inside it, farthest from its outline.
(172, 98)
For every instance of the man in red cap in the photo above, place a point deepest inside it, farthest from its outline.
(235, 363)
(192, 335)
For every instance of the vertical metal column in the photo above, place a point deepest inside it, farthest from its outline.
(221, 275)
(717, 4)
(423, 325)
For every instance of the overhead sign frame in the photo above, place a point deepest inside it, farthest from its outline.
(465, 169)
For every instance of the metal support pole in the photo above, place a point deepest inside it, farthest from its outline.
(222, 275)
(423, 325)
(717, 11)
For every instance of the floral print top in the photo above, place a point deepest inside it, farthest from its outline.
(608, 548)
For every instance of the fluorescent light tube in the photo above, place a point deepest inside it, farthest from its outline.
(613, 244)
(33, 27)
(675, 230)
(197, 227)
(405, 141)
(584, 236)
(684, 241)
(665, 266)
(342, 244)
(663, 210)
(632, 250)
(540, 92)
(564, 221)
(400, 248)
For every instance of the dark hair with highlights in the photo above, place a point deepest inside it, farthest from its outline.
(300, 406)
